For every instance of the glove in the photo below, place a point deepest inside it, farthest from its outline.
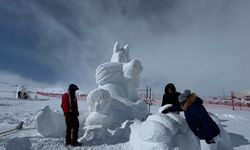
(210, 141)
(67, 115)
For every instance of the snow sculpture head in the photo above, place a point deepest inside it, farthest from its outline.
(132, 70)
(110, 72)
(120, 54)
(99, 101)
(22, 88)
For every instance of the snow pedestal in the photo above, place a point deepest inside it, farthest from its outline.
(115, 100)
(49, 123)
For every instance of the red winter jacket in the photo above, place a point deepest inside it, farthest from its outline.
(67, 106)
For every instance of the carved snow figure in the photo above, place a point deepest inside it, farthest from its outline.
(99, 103)
(170, 131)
(115, 100)
(131, 73)
(22, 92)
(163, 132)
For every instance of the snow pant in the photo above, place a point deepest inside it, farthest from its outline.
(72, 126)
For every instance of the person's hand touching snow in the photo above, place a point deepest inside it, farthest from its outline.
(210, 141)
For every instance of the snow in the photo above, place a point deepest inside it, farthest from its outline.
(113, 118)
(49, 123)
(160, 131)
(15, 111)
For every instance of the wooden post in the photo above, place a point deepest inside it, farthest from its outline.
(149, 98)
(232, 98)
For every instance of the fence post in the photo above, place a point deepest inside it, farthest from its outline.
(232, 98)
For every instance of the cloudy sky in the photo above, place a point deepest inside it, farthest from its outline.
(197, 44)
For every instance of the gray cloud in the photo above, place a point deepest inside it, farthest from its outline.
(201, 45)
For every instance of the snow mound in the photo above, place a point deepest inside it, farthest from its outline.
(157, 134)
(49, 123)
(223, 141)
(163, 132)
(170, 131)
(23, 143)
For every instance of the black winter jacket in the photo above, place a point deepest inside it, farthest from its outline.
(171, 99)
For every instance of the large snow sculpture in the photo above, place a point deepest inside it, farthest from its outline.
(115, 100)
(49, 123)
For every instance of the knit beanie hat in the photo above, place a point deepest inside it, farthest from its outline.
(183, 97)
(73, 87)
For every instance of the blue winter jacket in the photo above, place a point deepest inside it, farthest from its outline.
(198, 119)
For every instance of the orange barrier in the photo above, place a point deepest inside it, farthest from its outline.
(59, 95)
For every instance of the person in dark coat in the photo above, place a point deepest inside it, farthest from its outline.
(198, 119)
(70, 109)
(170, 99)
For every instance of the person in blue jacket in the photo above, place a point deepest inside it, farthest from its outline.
(198, 119)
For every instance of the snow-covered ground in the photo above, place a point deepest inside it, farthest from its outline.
(14, 111)
(114, 118)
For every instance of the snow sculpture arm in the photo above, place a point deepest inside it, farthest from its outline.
(167, 106)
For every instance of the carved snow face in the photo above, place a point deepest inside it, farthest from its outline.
(99, 100)
(120, 55)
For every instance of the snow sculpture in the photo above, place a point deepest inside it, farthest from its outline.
(115, 100)
(163, 131)
(22, 92)
(49, 123)
(170, 131)
(99, 103)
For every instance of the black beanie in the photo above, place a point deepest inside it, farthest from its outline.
(73, 87)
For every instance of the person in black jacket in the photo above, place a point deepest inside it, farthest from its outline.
(170, 99)
(198, 119)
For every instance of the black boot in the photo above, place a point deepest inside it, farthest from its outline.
(76, 144)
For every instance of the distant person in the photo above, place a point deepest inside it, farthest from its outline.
(19, 95)
(198, 119)
(170, 101)
(70, 109)
(25, 95)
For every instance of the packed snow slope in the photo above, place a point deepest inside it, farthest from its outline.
(14, 111)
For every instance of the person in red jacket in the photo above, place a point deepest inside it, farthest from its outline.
(70, 109)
